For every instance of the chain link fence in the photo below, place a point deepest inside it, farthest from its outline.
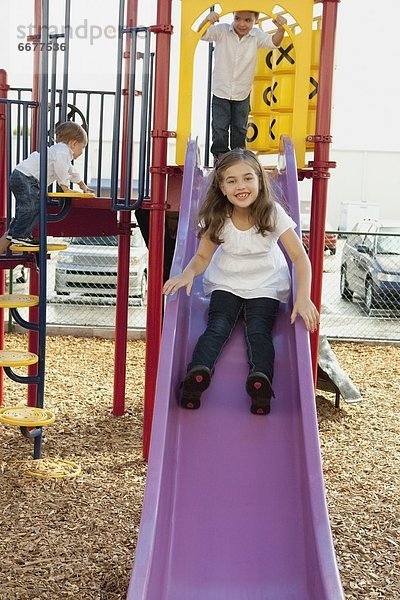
(361, 285)
(360, 296)
(82, 282)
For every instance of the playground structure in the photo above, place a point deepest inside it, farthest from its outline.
(288, 463)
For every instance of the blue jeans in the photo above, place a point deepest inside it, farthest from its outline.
(26, 190)
(259, 316)
(229, 115)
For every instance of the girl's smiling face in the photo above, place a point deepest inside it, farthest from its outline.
(240, 184)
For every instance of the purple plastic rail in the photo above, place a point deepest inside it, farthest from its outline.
(234, 506)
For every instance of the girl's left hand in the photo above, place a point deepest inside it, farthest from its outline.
(309, 313)
(279, 21)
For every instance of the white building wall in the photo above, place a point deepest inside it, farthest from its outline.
(368, 181)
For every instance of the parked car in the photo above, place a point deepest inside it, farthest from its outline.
(370, 264)
(89, 266)
(330, 238)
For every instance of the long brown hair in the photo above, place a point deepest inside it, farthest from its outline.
(217, 208)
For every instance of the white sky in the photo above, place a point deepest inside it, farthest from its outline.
(367, 82)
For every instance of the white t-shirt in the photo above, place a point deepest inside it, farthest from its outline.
(235, 59)
(59, 167)
(249, 264)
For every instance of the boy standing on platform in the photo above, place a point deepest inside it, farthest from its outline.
(235, 63)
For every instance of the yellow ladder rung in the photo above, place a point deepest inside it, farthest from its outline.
(11, 358)
(18, 300)
(26, 416)
(50, 248)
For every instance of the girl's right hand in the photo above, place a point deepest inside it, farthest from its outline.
(175, 283)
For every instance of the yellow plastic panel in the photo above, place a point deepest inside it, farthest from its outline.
(311, 122)
(257, 133)
(18, 300)
(261, 96)
(10, 358)
(315, 48)
(284, 58)
(313, 90)
(283, 92)
(264, 63)
(301, 12)
(280, 124)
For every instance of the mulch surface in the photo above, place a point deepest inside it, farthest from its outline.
(76, 537)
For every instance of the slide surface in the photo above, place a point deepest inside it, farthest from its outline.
(234, 506)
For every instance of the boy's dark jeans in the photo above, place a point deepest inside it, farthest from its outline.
(26, 191)
(258, 314)
(229, 115)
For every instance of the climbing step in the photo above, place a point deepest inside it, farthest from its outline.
(50, 248)
(70, 195)
(26, 416)
(18, 300)
(54, 469)
(11, 358)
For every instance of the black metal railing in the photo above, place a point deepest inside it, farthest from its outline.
(132, 35)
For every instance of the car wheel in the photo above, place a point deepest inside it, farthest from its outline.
(370, 298)
(143, 290)
(345, 291)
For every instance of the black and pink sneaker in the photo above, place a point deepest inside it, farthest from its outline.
(196, 381)
(259, 388)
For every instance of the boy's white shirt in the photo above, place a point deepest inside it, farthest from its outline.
(59, 167)
(235, 59)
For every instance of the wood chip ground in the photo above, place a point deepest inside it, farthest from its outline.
(75, 538)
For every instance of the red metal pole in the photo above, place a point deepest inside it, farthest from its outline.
(124, 237)
(3, 201)
(33, 336)
(157, 212)
(321, 162)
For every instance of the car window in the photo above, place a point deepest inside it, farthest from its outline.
(386, 244)
(368, 241)
(110, 240)
(354, 240)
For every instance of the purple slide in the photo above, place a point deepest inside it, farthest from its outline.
(234, 507)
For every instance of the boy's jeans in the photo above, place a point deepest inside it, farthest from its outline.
(229, 114)
(258, 314)
(26, 191)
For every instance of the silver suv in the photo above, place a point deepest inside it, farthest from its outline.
(89, 266)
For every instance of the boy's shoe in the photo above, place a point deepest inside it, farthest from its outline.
(259, 388)
(196, 381)
(21, 241)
